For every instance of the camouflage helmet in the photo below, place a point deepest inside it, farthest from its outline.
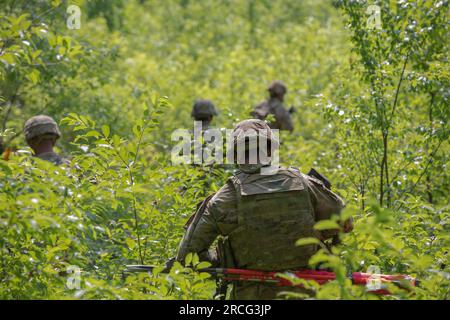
(39, 126)
(277, 88)
(203, 108)
(253, 127)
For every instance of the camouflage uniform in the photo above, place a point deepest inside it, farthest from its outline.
(262, 216)
(274, 105)
(42, 127)
(203, 110)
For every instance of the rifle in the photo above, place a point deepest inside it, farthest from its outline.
(275, 277)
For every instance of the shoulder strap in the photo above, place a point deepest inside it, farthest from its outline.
(236, 180)
(193, 219)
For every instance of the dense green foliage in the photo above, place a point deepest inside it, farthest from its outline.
(372, 116)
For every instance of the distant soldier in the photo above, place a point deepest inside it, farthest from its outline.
(260, 217)
(274, 105)
(41, 133)
(203, 110)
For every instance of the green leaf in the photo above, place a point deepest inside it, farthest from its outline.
(307, 241)
(325, 225)
(8, 58)
(33, 76)
(106, 130)
(92, 133)
(130, 243)
(188, 259)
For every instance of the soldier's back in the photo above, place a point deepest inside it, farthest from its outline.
(271, 212)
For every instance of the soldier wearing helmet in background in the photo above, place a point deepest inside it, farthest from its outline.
(274, 105)
(203, 110)
(258, 217)
(41, 133)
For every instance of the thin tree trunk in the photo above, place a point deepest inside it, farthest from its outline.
(385, 132)
(428, 178)
(386, 170)
(382, 181)
(363, 194)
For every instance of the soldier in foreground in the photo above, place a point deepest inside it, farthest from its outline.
(261, 217)
(274, 105)
(41, 133)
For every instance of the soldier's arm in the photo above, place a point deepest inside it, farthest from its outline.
(326, 204)
(217, 218)
(260, 111)
(199, 236)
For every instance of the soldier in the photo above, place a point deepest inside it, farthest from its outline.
(204, 111)
(261, 217)
(41, 133)
(274, 105)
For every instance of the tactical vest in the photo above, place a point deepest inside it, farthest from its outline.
(274, 211)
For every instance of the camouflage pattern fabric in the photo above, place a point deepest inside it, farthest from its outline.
(39, 126)
(301, 199)
(273, 211)
(283, 120)
(253, 127)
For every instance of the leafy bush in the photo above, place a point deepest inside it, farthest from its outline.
(372, 116)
